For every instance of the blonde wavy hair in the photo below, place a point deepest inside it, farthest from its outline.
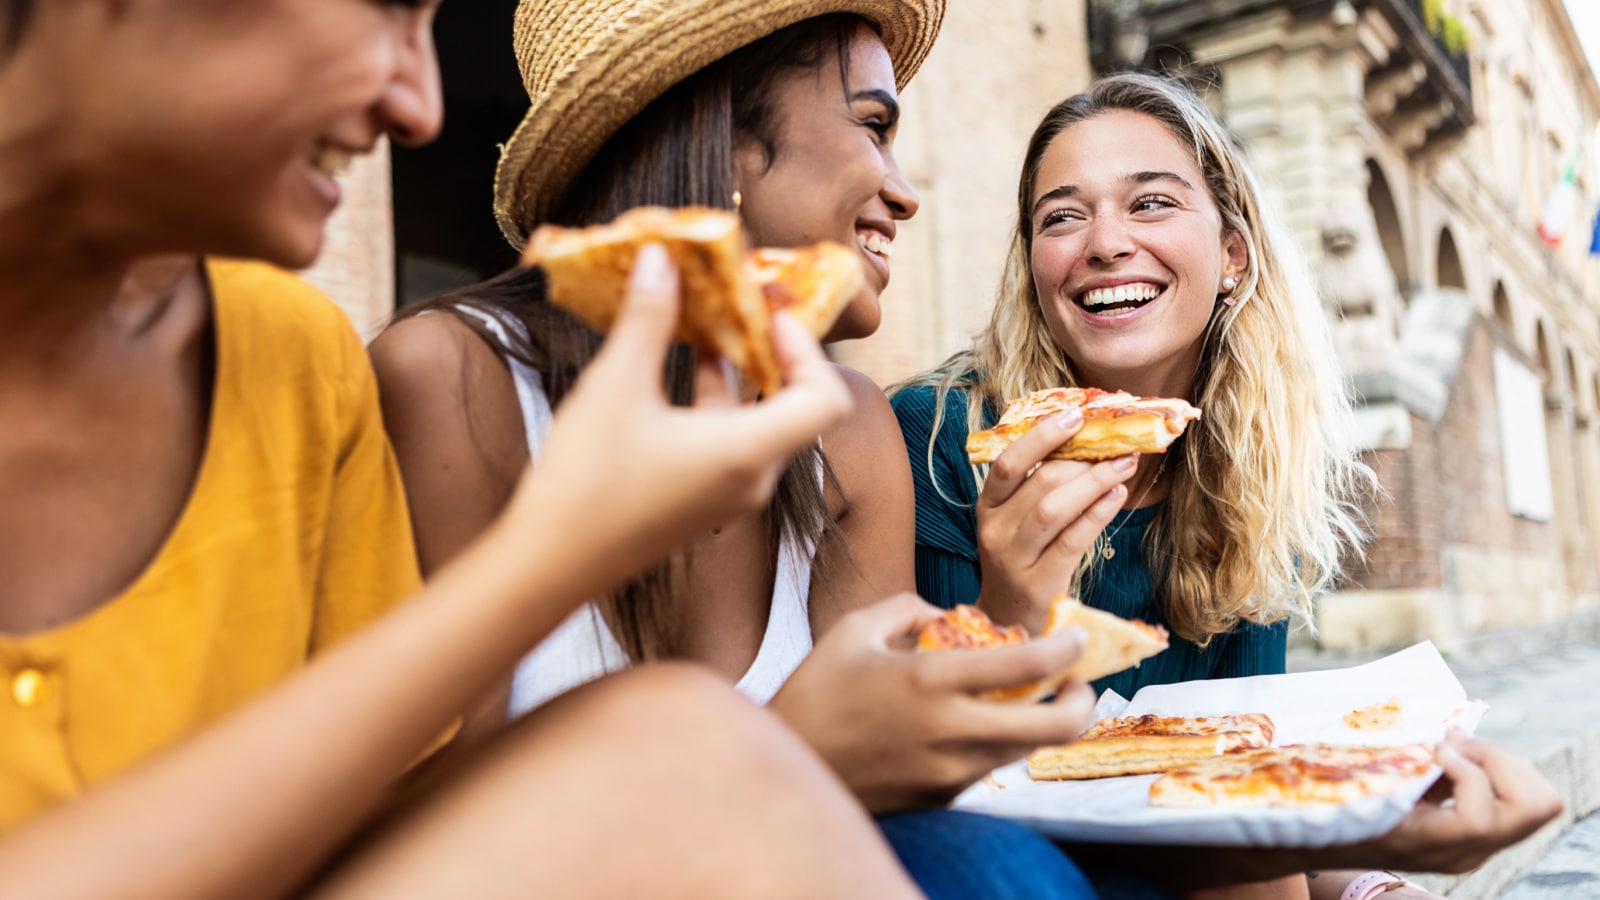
(1263, 507)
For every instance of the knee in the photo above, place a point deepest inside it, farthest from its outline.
(709, 726)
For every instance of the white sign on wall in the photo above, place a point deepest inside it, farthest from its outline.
(1523, 451)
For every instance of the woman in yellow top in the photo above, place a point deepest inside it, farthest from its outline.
(195, 497)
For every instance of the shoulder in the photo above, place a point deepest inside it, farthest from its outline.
(448, 395)
(436, 352)
(268, 301)
(868, 433)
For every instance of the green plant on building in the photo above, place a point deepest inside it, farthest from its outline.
(1450, 30)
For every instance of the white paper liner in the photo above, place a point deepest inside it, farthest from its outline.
(1304, 707)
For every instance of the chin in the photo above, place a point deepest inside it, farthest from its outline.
(860, 319)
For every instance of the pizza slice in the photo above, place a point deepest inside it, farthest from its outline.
(1255, 728)
(814, 284)
(1297, 775)
(1115, 424)
(1142, 745)
(729, 292)
(1380, 716)
(1114, 643)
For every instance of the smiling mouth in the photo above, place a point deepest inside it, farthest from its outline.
(331, 161)
(1122, 298)
(876, 244)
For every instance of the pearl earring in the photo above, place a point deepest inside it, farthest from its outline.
(1228, 284)
(738, 200)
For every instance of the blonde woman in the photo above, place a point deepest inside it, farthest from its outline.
(1144, 261)
(1163, 276)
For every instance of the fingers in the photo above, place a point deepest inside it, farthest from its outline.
(1526, 793)
(1008, 472)
(649, 312)
(1474, 796)
(1079, 510)
(975, 671)
(813, 398)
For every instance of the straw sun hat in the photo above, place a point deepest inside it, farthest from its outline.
(591, 65)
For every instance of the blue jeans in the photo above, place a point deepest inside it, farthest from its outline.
(957, 855)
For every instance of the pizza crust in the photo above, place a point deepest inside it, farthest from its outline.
(1114, 424)
(1114, 643)
(1142, 745)
(729, 293)
(1109, 757)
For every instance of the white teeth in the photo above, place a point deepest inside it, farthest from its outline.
(331, 161)
(1122, 293)
(876, 244)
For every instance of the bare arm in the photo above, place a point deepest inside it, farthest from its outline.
(298, 770)
(450, 408)
(877, 519)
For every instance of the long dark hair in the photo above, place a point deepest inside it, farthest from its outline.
(678, 152)
(14, 18)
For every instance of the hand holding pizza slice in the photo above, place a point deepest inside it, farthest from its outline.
(729, 293)
(1115, 424)
(1113, 643)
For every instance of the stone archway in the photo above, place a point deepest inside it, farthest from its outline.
(1502, 311)
(1447, 266)
(1380, 198)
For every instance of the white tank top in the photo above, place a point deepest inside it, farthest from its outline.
(583, 648)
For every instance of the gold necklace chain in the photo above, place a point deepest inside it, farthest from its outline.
(1107, 551)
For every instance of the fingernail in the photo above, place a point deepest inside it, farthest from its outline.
(1069, 419)
(1127, 463)
(650, 266)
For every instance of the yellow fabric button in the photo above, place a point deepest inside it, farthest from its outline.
(29, 688)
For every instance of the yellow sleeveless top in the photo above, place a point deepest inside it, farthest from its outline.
(295, 535)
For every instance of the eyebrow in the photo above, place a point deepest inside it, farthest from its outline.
(880, 96)
(1069, 190)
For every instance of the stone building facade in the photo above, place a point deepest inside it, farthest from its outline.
(1411, 144)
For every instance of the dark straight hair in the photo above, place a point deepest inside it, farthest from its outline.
(14, 18)
(678, 152)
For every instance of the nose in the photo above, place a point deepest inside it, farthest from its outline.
(898, 192)
(411, 109)
(1108, 238)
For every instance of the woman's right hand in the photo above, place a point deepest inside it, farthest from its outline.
(629, 476)
(905, 729)
(1038, 516)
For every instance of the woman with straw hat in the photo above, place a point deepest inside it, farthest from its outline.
(191, 459)
(787, 111)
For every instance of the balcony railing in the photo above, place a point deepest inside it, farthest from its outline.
(1435, 101)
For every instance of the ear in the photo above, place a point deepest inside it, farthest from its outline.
(750, 162)
(1235, 256)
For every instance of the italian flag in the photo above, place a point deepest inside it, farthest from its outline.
(1559, 208)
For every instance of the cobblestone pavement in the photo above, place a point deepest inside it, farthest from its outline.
(1570, 871)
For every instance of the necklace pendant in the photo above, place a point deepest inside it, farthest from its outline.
(1107, 552)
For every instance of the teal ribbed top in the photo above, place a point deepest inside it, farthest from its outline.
(947, 557)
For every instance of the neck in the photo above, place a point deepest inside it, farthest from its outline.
(1150, 482)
